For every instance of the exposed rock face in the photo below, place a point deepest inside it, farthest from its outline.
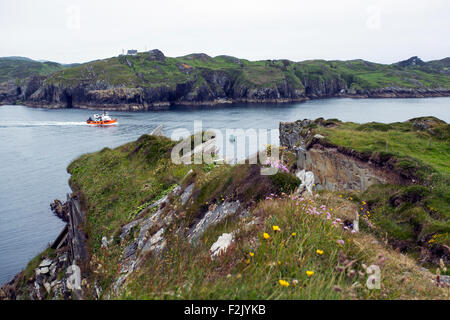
(148, 231)
(338, 171)
(334, 168)
(212, 217)
(70, 252)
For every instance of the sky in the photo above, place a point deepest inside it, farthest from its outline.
(69, 31)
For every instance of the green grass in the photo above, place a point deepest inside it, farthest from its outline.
(116, 184)
(139, 71)
(253, 267)
(398, 139)
(417, 211)
(17, 69)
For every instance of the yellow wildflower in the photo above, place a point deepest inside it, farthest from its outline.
(319, 251)
(309, 273)
(251, 254)
(248, 261)
(283, 283)
(363, 202)
(276, 228)
(279, 262)
(266, 235)
(294, 234)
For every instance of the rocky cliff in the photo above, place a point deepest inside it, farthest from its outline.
(152, 81)
(56, 273)
(395, 167)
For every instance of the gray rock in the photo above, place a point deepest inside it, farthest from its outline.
(44, 270)
(187, 193)
(127, 228)
(45, 263)
(130, 250)
(156, 243)
(212, 217)
(62, 258)
(73, 281)
(47, 287)
(37, 291)
(145, 228)
(53, 269)
(104, 242)
(156, 55)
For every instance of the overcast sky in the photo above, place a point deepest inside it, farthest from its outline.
(84, 30)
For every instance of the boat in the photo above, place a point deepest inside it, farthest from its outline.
(102, 120)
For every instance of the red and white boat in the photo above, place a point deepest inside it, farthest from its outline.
(101, 120)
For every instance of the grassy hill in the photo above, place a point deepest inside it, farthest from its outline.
(144, 70)
(150, 80)
(13, 68)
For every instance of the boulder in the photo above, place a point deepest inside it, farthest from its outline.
(73, 281)
(46, 263)
(212, 217)
(155, 55)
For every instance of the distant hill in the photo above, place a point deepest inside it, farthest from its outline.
(12, 68)
(151, 80)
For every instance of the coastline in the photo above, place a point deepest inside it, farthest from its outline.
(162, 106)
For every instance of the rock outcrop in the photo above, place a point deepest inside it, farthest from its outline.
(334, 167)
(59, 275)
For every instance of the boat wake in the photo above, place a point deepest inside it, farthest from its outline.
(41, 123)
